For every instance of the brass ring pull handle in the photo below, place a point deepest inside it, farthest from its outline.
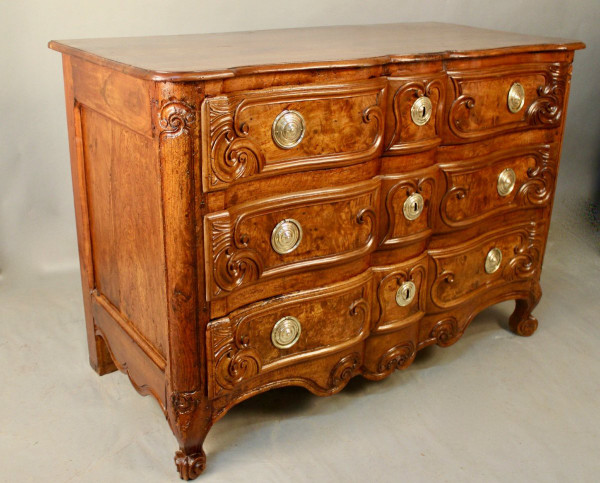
(421, 110)
(288, 129)
(286, 332)
(493, 260)
(286, 236)
(506, 182)
(516, 98)
(406, 293)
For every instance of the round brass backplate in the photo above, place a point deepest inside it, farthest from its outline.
(286, 332)
(493, 260)
(406, 293)
(421, 110)
(286, 236)
(506, 182)
(516, 98)
(413, 206)
(288, 129)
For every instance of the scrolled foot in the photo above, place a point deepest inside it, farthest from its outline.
(523, 327)
(190, 466)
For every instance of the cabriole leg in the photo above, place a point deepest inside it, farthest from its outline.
(521, 321)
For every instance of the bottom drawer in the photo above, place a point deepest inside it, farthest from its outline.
(285, 330)
(501, 256)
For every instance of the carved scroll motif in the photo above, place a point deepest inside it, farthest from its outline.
(523, 262)
(398, 357)
(417, 275)
(545, 111)
(446, 332)
(343, 371)
(176, 117)
(535, 190)
(392, 207)
(231, 152)
(418, 89)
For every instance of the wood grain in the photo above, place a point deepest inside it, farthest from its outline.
(178, 185)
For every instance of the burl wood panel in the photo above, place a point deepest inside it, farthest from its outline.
(343, 125)
(179, 184)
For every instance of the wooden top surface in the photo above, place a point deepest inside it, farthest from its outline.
(206, 56)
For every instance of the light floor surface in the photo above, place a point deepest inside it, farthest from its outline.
(492, 407)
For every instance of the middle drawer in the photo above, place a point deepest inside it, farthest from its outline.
(272, 237)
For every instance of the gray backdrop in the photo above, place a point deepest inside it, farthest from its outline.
(37, 226)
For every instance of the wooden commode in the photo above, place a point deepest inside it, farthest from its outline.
(298, 207)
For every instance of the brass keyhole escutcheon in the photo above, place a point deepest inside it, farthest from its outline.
(516, 98)
(286, 332)
(286, 236)
(506, 182)
(421, 110)
(406, 293)
(288, 129)
(413, 206)
(493, 260)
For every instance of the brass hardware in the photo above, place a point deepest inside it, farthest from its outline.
(406, 293)
(493, 260)
(286, 236)
(413, 206)
(516, 98)
(286, 332)
(288, 129)
(420, 112)
(506, 182)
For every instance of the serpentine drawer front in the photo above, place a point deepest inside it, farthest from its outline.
(319, 206)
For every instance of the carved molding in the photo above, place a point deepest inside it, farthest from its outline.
(231, 260)
(535, 191)
(401, 276)
(522, 263)
(234, 357)
(546, 111)
(400, 108)
(408, 187)
(231, 154)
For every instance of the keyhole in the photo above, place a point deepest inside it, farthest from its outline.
(424, 111)
(407, 294)
(415, 207)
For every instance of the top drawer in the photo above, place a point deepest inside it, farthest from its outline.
(497, 100)
(286, 129)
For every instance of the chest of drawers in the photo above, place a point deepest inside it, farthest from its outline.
(298, 207)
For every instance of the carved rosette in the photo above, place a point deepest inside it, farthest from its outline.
(398, 357)
(545, 111)
(190, 466)
(403, 189)
(445, 332)
(175, 117)
(343, 371)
